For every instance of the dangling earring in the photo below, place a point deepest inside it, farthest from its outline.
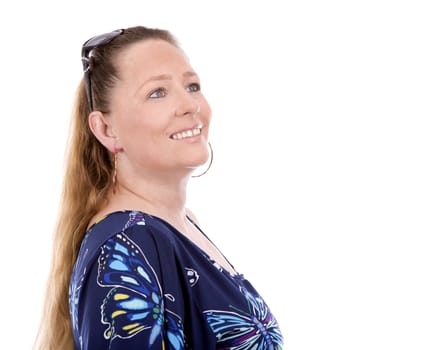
(115, 173)
(209, 165)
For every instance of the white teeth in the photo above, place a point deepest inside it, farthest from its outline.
(187, 133)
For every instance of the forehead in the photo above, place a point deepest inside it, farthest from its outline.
(150, 57)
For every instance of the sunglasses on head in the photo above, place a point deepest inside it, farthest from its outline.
(87, 48)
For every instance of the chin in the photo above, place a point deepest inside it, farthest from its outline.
(200, 158)
(203, 160)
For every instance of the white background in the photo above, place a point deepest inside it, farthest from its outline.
(327, 185)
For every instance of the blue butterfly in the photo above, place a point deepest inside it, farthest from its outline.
(256, 329)
(135, 303)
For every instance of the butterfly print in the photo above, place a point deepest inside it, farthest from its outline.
(238, 330)
(135, 303)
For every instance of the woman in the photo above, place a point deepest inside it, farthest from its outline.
(131, 267)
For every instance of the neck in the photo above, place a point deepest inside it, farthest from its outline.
(166, 200)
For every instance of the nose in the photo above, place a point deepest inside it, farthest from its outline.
(187, 105)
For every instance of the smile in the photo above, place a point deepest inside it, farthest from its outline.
(187, 133)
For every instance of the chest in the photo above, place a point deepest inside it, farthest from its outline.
(214, 254)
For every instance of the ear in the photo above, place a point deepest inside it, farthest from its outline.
(102, 129)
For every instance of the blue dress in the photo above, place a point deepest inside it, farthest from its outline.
(138, 283)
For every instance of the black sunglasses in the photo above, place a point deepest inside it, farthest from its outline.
(87, 48)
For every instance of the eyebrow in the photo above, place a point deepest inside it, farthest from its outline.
(161, 77)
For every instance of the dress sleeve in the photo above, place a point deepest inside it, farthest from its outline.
(123, 304)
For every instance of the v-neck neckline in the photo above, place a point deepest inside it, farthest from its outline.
(214, 263)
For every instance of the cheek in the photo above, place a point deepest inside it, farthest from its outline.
(138, 118)
(135, 132)
(145, 130)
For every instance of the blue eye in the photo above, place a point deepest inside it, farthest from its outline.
(194, 87)
(158, 93)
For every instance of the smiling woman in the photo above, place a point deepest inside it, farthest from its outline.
(137, 267)
(148, 107)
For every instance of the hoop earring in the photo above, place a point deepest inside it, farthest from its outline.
(115, 173)
(209, 165)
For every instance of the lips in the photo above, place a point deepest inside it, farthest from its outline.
(187, 133)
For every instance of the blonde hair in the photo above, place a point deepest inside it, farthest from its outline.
(87, 182)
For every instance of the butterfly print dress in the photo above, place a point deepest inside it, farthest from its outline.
(138, 283)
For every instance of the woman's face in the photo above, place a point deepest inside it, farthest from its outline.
(159, 116)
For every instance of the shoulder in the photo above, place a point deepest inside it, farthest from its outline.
(133, 227)
(127, 221)
(145, 252)
(128, 242)
(124, 277)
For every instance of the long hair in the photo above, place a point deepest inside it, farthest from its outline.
(86, 186)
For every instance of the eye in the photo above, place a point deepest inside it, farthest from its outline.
(158, 93)
(194, 87)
